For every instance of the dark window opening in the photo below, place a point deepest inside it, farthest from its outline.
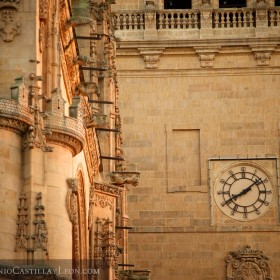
(277, 2)
(177, 4)
(232, 3)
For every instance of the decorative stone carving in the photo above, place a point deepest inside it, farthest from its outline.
(97, 251)
(43, 9)
(107, 189)
(83, 60)
(151, 56)
(104, 253)
(22, 236)
(75, 202)
(98, 121)
(75, 21)
(88, 89)
(91, 152)
(103, 201)
(109, 246)
(43, 15)
(206, 17)
(263, 54)
(262, 3)
(247, 264)
(207, 55)
(9, 23)
(40, 237)
(119, 178)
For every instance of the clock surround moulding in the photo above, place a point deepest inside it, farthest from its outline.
(243, 189)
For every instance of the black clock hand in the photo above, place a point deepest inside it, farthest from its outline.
(244, 191)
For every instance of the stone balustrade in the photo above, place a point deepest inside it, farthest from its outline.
(197, 20)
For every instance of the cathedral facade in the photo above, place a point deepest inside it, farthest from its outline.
(200, 106)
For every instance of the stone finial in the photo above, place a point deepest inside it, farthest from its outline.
(40, 236)
(19, 91)
(75, 110)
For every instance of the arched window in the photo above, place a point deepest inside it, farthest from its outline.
(232, 3)
(177, 4)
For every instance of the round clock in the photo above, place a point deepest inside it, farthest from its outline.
(244, 192)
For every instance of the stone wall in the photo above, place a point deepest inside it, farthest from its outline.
(177, 114)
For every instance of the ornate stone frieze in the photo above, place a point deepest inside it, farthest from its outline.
(248, 264)
(207, 55)
(22, 222)
(69, 54)
(40, 236)
(119, 178)
(107, 189)
(91, 152)
(69, 141)
(151, 56)
(9, 23)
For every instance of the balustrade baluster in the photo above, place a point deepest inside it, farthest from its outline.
(128, 21)
(249, 19)
(117, 21)
(227, 19)
(223, 20)
(140, 22)
(171, 25)
(195, 21)
(277, 18)
(216, 20)
(234, 20)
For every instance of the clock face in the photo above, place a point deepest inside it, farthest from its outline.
(244, 192)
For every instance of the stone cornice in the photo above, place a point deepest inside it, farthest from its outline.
(14, 116)
(229, 42)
